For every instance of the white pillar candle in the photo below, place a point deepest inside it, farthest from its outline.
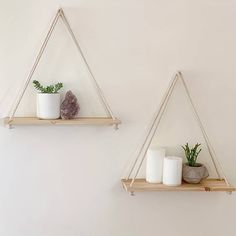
(154, 166)
(172, 171)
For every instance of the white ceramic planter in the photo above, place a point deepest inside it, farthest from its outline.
(48, 105)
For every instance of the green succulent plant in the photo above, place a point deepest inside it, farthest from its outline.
(192, 153)
(47, 89)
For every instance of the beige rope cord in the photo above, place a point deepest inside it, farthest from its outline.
(60, 14)
(54, 22)
(105, 103)
(152, 125)
(156, 121)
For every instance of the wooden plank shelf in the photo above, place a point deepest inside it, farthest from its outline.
(207, 185)
(79, 121)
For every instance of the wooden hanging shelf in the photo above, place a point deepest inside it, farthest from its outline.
(109, 120)
(79, 121)
(208, 185)
(133, 184)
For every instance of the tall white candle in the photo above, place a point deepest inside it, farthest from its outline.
(172, 171)
(154, 166)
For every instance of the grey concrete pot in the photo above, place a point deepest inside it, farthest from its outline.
(195, 174)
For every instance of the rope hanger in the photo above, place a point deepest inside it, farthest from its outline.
(60, 14)
(154, 125)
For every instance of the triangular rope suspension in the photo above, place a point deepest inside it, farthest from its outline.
(154, 125)
(60, 14)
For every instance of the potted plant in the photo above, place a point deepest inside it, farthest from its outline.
(48, 100)
(193, 172)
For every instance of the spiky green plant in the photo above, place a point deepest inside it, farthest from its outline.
(48, 89)
(191, 153)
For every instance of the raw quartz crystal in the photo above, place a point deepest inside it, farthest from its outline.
(69, 107)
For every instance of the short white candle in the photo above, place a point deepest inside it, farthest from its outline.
(172, 171)
(154, 166)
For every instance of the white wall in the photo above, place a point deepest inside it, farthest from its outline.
(57, 181)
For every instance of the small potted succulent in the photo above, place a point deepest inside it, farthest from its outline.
(48, 100)
(193, 172)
